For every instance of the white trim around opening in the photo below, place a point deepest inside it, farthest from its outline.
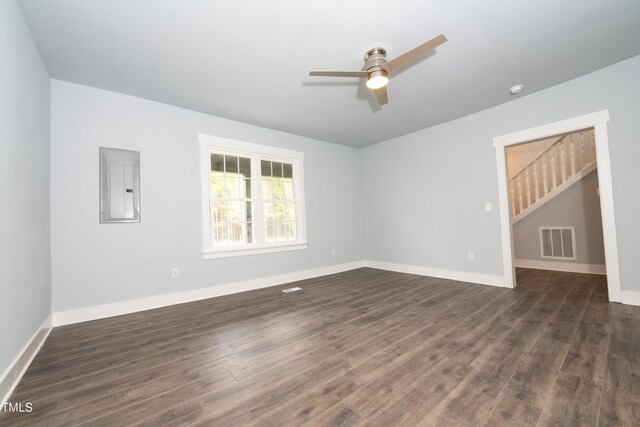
(598, 121)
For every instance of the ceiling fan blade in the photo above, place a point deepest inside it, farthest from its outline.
(381, 94)
(339, 73)
(406, 58)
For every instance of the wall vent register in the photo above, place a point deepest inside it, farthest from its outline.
(557, 242)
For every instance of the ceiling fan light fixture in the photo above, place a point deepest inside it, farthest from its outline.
(377, 79)
(377, 69)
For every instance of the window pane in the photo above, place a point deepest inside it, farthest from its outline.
(219, 234)
(248, 207)
(287, 186)
(557, 243)
(247, 188)
(233, 186)
(278, 193)
(567, 243)
(277, 170)
(219, 211)
(287, 170)
(546, 243)
(291, 231)
(217, 184)
(281, 236)
(245, 167)
(231, 163)
(236, 233)
(270, 231)
(279, 211)
(217, 163)
(235, 211)
(267, 188)
(268, 211)
(249, 232)
(269, 222)
(290, 211)
(266, 168)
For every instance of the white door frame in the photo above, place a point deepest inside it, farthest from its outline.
(598, 121)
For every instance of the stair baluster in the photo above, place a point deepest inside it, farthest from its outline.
(563, 161)
(520, 192)
(572, 155)
(554, 174)
(593, 146)
(536, 182)
(513, 199)
(545, 176)
(528, 184)
(583, 161)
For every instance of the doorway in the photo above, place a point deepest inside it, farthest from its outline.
(554, 204)
(598, 123)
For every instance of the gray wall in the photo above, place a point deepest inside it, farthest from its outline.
(425, 191)
(98, 264)
(25, 287)
(578, 206)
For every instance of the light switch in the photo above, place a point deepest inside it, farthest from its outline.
(487, 207)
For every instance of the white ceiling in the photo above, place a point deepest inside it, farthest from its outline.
(248, 60)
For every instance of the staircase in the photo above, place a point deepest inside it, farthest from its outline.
(563, 163)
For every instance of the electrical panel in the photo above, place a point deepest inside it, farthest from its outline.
(119, 185)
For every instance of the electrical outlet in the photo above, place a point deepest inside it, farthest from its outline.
(333, 252)
(175, 273)
(470, 256)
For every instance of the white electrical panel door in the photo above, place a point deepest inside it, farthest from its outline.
(119, 185)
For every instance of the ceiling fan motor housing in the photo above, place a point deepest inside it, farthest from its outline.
(375, 59)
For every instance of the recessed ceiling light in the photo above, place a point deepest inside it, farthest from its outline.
(514, 90)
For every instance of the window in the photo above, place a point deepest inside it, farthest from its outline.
(252, 198)
(558, 242)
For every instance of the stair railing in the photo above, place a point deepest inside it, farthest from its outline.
(569, 155)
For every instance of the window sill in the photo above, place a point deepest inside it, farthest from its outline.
(265, 249)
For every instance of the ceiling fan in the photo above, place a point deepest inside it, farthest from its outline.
(377, 70)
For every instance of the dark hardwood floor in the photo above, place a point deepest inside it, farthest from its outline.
(365, 347)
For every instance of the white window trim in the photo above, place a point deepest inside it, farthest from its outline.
(230, 146)
(573, 237)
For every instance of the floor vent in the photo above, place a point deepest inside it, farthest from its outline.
(286, 291)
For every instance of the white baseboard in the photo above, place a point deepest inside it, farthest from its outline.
(631, 298)
(131, 306)
(569, 267)
(463, 276)
(12, 376)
